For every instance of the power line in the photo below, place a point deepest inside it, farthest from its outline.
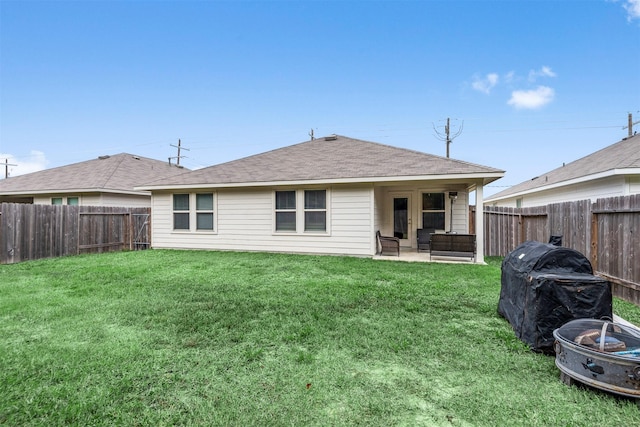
(447, 135)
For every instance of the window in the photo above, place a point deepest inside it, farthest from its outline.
(298, 211)
(315, 210)
(433, 209)
(73, 201)
(181, 212)
(198, 209)
(56, 200)
(204, 211)
(519, 202)
(285, 211)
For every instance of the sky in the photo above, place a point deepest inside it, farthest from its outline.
(527, 84)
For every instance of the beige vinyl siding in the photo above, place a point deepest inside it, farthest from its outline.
(634, 184)
(245, 218)
(460, 213)
(607, 187)
(99, 199)
(129, 200)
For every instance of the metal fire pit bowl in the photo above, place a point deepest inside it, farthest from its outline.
(611, 364)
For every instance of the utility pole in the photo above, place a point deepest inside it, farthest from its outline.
(311, 134)
(630, 124)
(6, 168)
(447, 134)
(179, 156)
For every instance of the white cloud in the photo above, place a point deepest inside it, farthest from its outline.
(486, 84)
(36, 162)
(633, 9)
(531, 99)
(543, 72)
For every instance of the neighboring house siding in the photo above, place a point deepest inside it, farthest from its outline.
(109, 199)
(244, 222)
(104, 199)
(634, 185)
(608, 187)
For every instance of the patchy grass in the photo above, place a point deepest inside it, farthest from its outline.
(222, 338)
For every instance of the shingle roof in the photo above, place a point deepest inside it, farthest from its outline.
(330, 158)
(117, 173)
(622, 155)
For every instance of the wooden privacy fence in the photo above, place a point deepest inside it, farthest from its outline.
(607, 232)
(29, 232)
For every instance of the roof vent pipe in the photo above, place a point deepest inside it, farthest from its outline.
(331, 137)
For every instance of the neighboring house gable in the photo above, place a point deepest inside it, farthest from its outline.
(609, 172)
(105, 181)
(328, 195)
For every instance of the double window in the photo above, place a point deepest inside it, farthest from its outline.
(71, 201)
(305, 207)
(195, 208)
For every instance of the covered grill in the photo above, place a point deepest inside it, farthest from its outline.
(544, 286)
(601, 354)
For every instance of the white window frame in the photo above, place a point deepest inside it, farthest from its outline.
(300, 211)
(205, 211)
(64, 200)
(193, 214)
(443, 210)
(277, 210)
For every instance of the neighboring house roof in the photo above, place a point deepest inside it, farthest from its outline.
(119, 173)
(621, 158)
(330, 159)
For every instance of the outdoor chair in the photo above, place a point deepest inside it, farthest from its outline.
(387, 243)
(424, 237)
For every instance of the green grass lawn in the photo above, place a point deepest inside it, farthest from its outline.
(164, 337)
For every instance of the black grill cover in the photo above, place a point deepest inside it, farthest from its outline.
(545, 286)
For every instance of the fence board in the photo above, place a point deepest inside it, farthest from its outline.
(30, 232)
(607, 232)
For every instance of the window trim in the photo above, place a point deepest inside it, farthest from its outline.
(193, 212)
(443, 210)
(205, 211)
(300, 211)
(276, 210)
(64, 200)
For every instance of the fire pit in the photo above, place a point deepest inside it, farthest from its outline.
(602, 354)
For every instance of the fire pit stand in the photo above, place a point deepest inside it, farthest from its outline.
(601, 354)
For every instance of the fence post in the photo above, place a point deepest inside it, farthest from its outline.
(594, 239)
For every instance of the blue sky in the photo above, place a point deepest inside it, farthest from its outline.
(533, 83)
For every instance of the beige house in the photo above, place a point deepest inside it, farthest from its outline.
(105, 181)
(610, 172)
(325, 196)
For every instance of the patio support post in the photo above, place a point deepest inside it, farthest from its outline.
(479, 224)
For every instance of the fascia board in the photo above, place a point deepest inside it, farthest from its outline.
(75, 190)
(450, 177)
